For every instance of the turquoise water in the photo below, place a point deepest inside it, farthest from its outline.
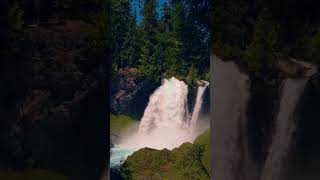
(119, 155)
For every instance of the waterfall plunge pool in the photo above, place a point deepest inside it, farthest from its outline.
(119, 155)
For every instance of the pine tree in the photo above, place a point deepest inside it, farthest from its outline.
(193, 34)
(149, 41)
(120, 15)
(175, 44)
(130, 54)
(178, 39)
(192, 75)
(166, 18)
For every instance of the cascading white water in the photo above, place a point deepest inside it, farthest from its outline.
(166, 122)
(167, 107)
(197, 106)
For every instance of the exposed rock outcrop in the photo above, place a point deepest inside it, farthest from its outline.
(130, 92)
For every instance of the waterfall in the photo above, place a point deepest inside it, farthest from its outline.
(292, 90)
(167, 107)
(166, 122)
(285, 127)
(230, 156)
(197, 106)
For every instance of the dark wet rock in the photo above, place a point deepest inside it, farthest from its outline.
(292, 68)
(130, 92)
(304, 157)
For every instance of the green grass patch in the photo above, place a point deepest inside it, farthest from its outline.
(204, 138)
(120, 123)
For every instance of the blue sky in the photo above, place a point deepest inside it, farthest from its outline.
(135, 6)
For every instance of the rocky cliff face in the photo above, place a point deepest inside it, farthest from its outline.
(53, 103)
(304, 157)
(130, 92)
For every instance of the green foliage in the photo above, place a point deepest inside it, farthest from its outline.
(120, 123)
(203, 141)
(149, 163)
(193, 74)
(161, 47)
(253, 31)
(129, 55)
(198, 154)
(189, 161)
(166, 18)
(151, 50)
(227, 51)
(126, 35)
(265, 42)
(230, 22)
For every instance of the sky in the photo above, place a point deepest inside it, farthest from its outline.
(135, 6)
